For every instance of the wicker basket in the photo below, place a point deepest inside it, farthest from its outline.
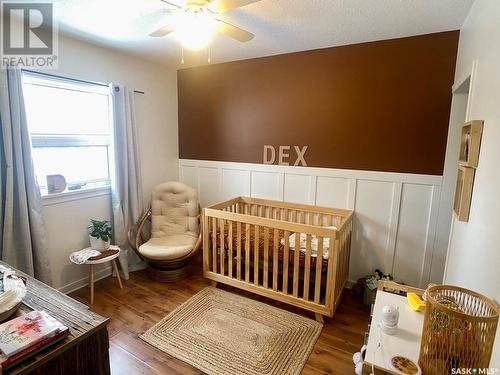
(459, 330)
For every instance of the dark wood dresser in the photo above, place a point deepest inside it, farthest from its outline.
(84, 351)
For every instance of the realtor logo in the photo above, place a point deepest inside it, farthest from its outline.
(28, 35)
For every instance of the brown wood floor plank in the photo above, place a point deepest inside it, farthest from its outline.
(123, 363)
(154, 357)
(143, 302)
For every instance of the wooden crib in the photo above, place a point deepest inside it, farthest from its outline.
(246, 244)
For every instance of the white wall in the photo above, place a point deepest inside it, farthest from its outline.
(474, 251)
(395, 219)
(156, 113)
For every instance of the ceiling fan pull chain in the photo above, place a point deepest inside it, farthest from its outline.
(182, 55)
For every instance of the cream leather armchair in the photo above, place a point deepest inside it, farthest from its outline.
(175, 233)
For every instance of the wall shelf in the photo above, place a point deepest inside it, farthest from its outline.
(470, 143)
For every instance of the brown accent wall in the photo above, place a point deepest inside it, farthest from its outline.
(381, 106)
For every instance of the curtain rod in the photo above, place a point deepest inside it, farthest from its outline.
(74, 79)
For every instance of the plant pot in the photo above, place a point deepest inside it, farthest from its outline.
(369, 296)
(98, 244)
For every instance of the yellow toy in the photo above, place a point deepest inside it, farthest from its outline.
(415, 302)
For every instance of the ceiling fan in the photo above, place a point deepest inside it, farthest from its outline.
(195, 22)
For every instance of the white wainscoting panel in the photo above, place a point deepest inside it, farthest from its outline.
(267, 185)
(235, 182)
(371, 230)
(209, 185)
(333, 192)
(412, 233)
(395, 213)
(189, 175)
(299, 188)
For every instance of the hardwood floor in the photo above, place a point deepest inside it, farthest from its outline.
(142, 303)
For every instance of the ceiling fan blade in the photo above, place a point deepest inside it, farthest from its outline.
(234, 32)
(163, 31)
(170, 3)
(222, 6)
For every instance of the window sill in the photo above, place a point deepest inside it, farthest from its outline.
(68, 196)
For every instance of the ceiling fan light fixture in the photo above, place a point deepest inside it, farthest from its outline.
(195, 28)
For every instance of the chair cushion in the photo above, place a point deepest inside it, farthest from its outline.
(168, 247)
(174, 210)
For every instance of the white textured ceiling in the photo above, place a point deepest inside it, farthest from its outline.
(280, 26)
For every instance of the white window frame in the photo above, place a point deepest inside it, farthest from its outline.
(39, 140)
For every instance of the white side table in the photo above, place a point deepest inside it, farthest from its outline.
(92, 263)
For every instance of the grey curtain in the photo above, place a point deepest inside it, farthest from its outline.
(22, 232)
(126, 183)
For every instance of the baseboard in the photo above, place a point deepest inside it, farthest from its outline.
(75, 285)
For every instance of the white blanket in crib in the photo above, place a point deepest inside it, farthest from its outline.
(314, 243)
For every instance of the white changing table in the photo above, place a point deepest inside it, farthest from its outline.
(405, 343)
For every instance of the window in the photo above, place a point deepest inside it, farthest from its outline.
(70, 127)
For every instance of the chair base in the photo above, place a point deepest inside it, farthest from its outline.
(168, 274)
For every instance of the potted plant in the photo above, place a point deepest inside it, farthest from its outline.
(99, 234)
(371, 284)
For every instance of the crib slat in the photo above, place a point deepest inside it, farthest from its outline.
(338, 271)
(266, 256)
(214, 245)
(332, 266)
(296, 252)
(342, 259)
(286, 260)
(307, 268)
(344, 253)
(275, 260)
(238, 250)
(256, 255)
(247, 253)
(222, 248)
(230, 245)
(319, 264)
(206, 253)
